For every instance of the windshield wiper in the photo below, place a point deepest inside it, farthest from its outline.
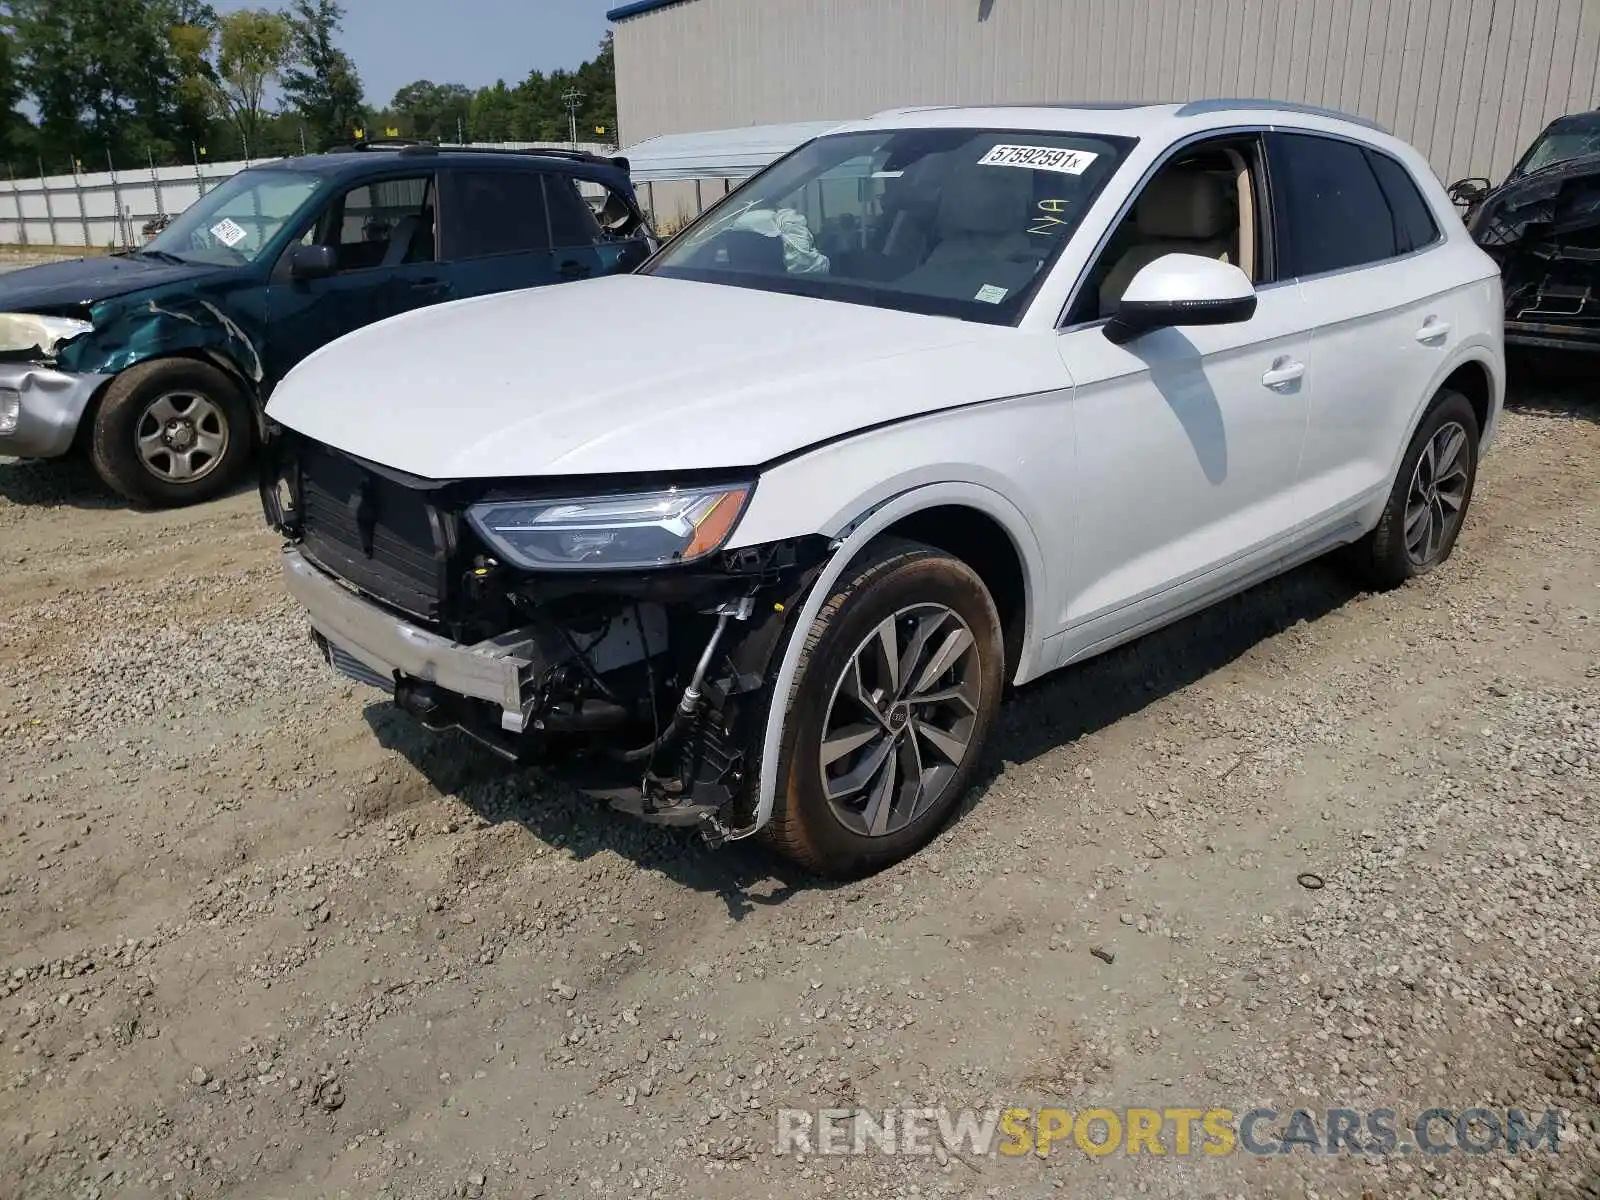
(162, 256)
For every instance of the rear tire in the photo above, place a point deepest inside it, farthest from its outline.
(878, 747)
(1428, 504)
(170, 432)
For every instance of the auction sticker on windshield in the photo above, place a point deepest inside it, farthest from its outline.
(1040, 158)
(228, 232)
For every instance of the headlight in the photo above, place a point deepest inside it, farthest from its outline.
(653, 529)
(25, 331)
(10, 410)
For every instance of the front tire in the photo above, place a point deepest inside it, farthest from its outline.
(170, 432)
(1428, 503)
(897, 689)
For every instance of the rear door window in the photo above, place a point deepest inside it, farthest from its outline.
(1333, 212)
(497, 212)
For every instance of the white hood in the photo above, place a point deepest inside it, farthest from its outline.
(633, 373)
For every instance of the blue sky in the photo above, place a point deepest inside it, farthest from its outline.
(473, 42)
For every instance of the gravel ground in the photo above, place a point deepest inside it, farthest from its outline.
(261, 936)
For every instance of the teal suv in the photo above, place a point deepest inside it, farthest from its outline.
(157, 362)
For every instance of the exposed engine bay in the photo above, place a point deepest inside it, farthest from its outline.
(1544, 231)
(646, 688)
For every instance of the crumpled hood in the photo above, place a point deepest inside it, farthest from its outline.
(638, 373)
(77, 282)
(1561, 198)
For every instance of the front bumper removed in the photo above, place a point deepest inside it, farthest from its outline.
(648, 698)
(370, 645)
(40, 408)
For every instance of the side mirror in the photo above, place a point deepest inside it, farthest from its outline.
(1182, 289)
(312, 262)
(634, 254)
(1469, 191)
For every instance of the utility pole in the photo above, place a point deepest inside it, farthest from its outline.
(572, 97)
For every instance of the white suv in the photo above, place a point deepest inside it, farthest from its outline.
(754, 539)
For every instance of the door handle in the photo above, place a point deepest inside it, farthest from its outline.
(1433, 330)
(431, 287)
(572, 269)
(1284, 370)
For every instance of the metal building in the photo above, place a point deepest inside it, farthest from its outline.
(1470, 82)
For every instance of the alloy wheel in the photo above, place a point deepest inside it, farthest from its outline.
(900, 720)
(181, 437)
(1438, 494)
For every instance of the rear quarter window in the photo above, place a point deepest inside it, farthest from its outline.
(1413, 220)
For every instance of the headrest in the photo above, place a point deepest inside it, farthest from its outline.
(1183, 204)
(978, 199)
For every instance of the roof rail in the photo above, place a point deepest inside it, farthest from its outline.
(1096, 105)
(585, 156)
(374, 144)
(409, 146)
(1198, 108)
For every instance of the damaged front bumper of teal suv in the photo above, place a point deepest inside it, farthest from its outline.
(40, 408)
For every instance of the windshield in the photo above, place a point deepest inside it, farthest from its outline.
(234, 223)
(953, 222)
(1564, 142)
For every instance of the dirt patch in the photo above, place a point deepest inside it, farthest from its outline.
(261, 935)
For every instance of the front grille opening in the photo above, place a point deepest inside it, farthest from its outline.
(372, 532)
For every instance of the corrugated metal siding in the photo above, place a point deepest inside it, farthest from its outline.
(1468, 81)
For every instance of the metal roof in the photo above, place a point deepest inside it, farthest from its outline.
(638, 8)
(718, 153)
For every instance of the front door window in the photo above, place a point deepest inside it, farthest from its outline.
(383, 224)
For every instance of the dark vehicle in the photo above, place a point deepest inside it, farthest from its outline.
(157, 362)
(155, 225)
(1542, 226)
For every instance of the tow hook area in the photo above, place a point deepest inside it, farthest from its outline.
(424, 701)
(441, 710)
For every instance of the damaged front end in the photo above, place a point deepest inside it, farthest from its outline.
(1543, 230)
(642, 684)
(40, 402)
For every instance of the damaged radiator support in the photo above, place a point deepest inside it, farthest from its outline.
(689, 706)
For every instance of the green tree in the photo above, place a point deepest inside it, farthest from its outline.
(539, 110)
(322, 85)
(102, 74)
(597, 80)
(433, 110)
(191, 38)
(252, 48)
(16, 131)
(494, 113)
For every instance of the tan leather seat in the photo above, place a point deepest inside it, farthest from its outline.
(1182, 211)
(981, 227)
